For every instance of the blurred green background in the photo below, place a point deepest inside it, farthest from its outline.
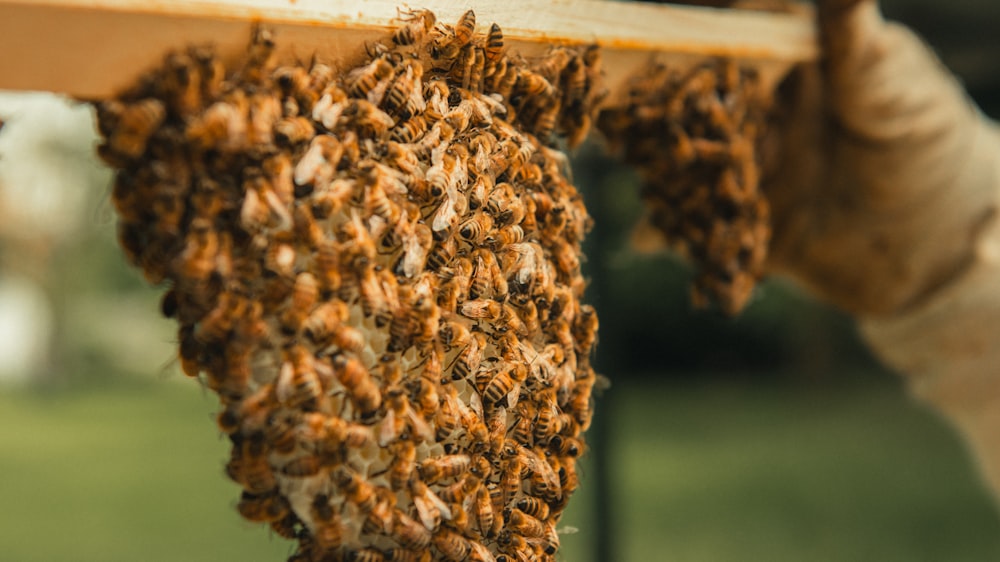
(774, 436)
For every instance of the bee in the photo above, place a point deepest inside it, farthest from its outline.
(287, 527)
(485, 516)
(265, 110)
(506, 383)
(332, 199)
(326, 320)
(364, 80)
(524, 524)
(328, 529)
(403, 465)
(454, 334)
(468, 360)
(417, 24)
(430, 508)
(409, 533)
(585, 329)
(298, 385)
(294, 130)
(361, 387)
(545, 123)
(533, 85)
(494, 45)
(263, 508)
(469, 68)
(223, 125)
(435, 469)
(401, 420)
(302, 466)
(504, 205)
(135, 124)
(366, 555)
(318, 164)
(416, 248)
(218, 323)
(534, 507)
(330, 107)
(305, 294)
(474, 229)
(367, 118)
(252, 471)
(409, 131)
(442, 254)
(405, 96)
(566, 446)
(465, 28)
(452, 545)
(379, 519)
(396, 554)
(487, 277)
(356, 489)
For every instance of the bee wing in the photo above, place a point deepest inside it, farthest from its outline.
(427, 511)
(514, 395)
(480, 553)
(420, 426)
(388, 429)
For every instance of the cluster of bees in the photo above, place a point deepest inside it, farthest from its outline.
(693, 136)
(378, 272)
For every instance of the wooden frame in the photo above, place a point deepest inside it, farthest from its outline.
(91, 48)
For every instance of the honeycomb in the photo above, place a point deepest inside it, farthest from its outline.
(693, 136)
(377, 270)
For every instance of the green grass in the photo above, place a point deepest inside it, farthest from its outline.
(717, 472)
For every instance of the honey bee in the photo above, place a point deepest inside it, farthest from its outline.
(318, 164)
(510, 234)
(465, 28)
(294, 130)
(363, 80)
(366, 555)
(524, 524)
(533, 507)
(302, 466)
(494, 45)
(297, 385)
(469, 68)
(533, 85)
(417, 24)
(405, 96)
(379, 519)
(361, 387)
(566, 446)
(452, 545)
(403, 465)
(416, 244)
(401, 420)
(356, 489)
(506, 383)
(409, 131)
(397, 554)
(442, 254)
(328, 529)
(468, 360)
(366, 118)
(223, 125)
(585, 328)
(252, 471)
(409, 533)
(265, 110)
(330, 107)
(263, 508)
(135, 124)
(430, 508)
(305, 294)
(487, 277)
(435, 469)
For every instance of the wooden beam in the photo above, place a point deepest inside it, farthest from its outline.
(92, 48)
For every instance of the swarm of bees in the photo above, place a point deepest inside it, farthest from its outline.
(693, 137)
(378, 272)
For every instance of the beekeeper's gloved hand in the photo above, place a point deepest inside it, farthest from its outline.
(885, 204)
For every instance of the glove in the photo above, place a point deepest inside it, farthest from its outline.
(890, 172)
(888, 208)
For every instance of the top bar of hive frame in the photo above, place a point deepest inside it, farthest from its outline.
(92, 48)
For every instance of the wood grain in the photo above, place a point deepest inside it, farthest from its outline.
(92, 48)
